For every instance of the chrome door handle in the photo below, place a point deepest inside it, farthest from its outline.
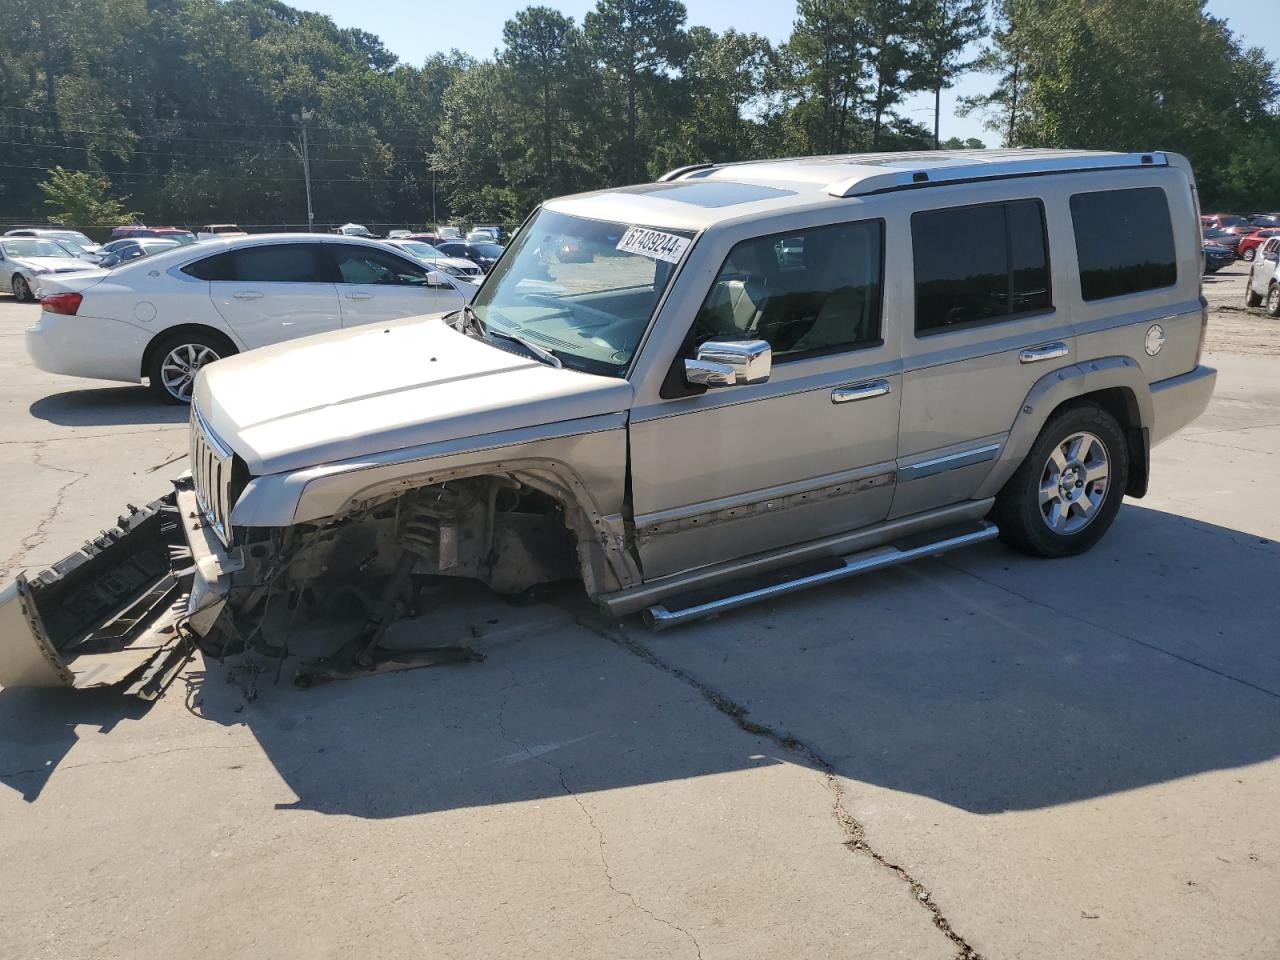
(359, 296)
(247, 295)
(860, 391)
(1046, 351)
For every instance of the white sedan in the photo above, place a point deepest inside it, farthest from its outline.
(164, 316)
(26, 263)
(458, 267)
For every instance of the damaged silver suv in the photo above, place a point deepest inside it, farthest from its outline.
(736, 382)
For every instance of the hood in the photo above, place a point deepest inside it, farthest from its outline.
(52, 264)
(371, 389)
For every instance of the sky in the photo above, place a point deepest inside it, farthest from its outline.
(413, 30)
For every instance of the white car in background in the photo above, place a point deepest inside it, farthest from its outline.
(26, 263)
(74, 240)
(456, 267)
(164, 316)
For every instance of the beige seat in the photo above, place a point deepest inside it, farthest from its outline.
(841, 318)
(733, 310)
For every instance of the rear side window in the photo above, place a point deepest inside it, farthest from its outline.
(1124, 242)
(269, 263)
(806, 292)
(979, 265)
(369, 265)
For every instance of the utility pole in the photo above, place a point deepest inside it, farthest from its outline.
(434, 222)
(302, 118)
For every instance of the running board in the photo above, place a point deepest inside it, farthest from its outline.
(706, 603)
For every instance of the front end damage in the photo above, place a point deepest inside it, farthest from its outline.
(130, 607)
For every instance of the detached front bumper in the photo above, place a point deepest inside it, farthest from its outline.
(124, 609)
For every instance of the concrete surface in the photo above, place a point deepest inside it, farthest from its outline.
(983, 753)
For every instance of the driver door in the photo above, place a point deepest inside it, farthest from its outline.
(375, 286)
(754, 467)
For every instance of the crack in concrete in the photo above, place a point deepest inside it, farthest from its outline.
(855, 833)
(37, 537)
(95, 436)
(600, 841)
(58, 767)
(1113, 631)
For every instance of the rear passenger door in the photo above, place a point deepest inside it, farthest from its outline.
(272, 292)
(985, 327)
(375, 286)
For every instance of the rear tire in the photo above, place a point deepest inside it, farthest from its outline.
(1249, 254)
(1067, 491)
(176, 359)
(1273, 299)
(22, 289)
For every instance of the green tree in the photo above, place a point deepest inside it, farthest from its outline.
(887, 30)
(825, 53)
(638, 43)
(81, 199)
(945, 29)
(727, 79)
(542, 52)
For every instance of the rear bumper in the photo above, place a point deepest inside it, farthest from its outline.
(77, 346)
(1179, 400)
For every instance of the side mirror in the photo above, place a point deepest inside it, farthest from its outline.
(436, 278)
(727, 363)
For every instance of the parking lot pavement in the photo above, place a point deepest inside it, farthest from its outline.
(1023, 758)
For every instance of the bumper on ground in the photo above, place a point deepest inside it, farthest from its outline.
(122, 610)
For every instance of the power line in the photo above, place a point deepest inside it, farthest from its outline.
(203, 156)
(168, 139)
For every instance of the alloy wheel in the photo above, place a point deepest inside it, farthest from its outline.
(1273, 300)
(1074, 482)
(180, 365)
(21, 289)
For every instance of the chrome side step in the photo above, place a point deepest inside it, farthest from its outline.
(699, 605)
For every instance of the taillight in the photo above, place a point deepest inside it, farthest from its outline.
(67, 303)
(1204, 328)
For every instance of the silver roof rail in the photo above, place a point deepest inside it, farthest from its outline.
(874, 178)
(679, 172)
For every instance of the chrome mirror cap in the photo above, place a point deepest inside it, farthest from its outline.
(728, 363)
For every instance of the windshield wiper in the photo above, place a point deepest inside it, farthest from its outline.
(471, 319)
(542, 353)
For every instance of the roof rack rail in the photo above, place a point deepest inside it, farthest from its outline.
(681, 171)
(878, 179)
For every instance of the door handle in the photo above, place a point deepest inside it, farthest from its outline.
(860, 391)
(359, 296)
(1046, 351)
(247, 295)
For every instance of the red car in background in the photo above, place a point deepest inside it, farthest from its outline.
(1250, 242)
(1225, 221)
(160, 233)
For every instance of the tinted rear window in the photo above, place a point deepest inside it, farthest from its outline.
(1124, 242)
(270, 263)
(976, 265)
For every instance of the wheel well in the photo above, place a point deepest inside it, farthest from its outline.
(149, 353)
(1123, 405)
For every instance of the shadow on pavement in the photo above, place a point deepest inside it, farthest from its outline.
(988, 682)
(106, 407)
(38, 728)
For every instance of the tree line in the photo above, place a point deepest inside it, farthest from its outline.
(190, 110)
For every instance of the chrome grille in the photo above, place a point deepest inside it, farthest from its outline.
(211, 463)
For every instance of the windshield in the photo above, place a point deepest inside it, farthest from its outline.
(423, 251)
(583, 289)
(73, 236)
(488, 249)
(34, 247)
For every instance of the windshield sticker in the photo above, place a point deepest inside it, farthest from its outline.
(654, 244)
